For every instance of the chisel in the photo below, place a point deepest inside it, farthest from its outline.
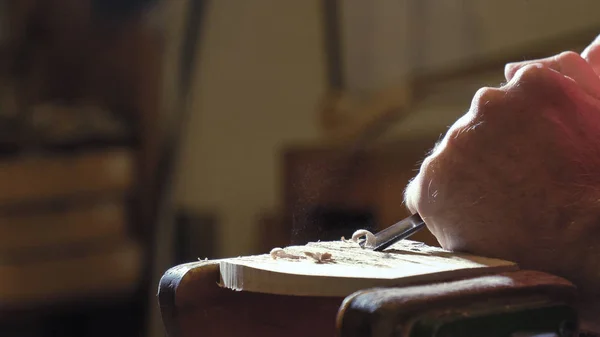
(396, 232)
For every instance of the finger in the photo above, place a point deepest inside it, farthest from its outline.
(569, 64)
(592, 55)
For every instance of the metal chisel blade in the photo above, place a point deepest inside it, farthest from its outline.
(396, 232)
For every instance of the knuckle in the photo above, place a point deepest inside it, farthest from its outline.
(459, 139)
(531, 75)
(412, 195)
(459, 129)
(417, 192)
(486, 95)
(424, 194)
(534, 86)
(569, 57)
(486, 100)
(530, 71)
(509, 68)
(429, 161)
(437, 160)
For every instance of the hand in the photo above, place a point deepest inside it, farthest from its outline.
(518, 176)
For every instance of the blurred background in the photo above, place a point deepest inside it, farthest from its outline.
(136, 135)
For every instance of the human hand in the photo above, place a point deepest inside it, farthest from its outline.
(518, 176)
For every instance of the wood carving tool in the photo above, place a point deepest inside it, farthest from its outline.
(396, 232)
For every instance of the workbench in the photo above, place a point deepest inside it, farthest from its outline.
(457, 293)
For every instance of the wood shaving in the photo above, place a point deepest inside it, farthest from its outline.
(346, 240)
(370, 237)
(319, 257)
(281, 253)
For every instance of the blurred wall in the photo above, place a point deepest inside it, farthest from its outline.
(261, 74)
(257, 87)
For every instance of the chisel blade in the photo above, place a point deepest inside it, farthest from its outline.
(396, 232)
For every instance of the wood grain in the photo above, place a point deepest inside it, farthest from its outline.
(192, 303)
(351, 268)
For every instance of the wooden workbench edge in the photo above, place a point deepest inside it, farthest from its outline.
(172, 290)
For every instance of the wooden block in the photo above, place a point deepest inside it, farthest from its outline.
(351, 268)
(192, 303)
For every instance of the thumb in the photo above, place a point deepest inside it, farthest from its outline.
(592, 55)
